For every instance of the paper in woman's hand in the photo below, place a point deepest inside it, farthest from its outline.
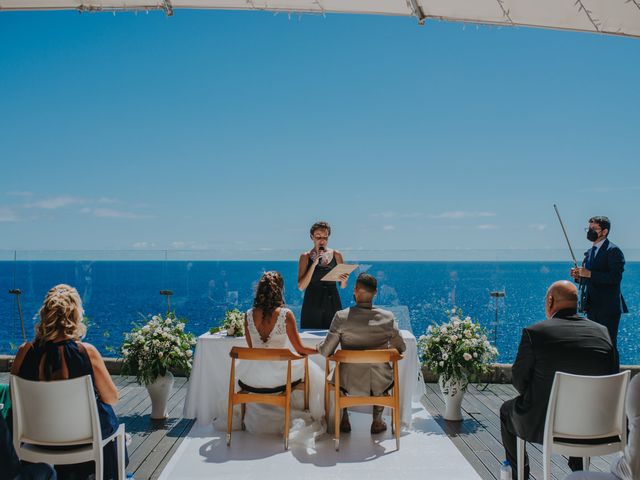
(339, 270)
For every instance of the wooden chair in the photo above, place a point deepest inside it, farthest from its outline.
(281, 399)
(343, 401)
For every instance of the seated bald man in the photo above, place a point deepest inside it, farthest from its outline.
(564, 342)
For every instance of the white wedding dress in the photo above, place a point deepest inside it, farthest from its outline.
(262, 418)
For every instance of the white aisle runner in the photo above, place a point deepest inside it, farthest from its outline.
(425, 452)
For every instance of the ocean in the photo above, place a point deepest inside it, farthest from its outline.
(118, 294)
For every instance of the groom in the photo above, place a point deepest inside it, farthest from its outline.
(364, 327)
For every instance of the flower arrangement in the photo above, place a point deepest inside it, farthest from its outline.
(233, 323)
(457, 348)
(149, 351)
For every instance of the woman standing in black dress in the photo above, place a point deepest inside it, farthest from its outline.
(321, 299)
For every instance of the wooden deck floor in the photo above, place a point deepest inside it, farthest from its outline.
(477, 437)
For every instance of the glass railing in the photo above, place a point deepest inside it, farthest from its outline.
(504, 290)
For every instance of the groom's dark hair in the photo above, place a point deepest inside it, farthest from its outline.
(367, 282)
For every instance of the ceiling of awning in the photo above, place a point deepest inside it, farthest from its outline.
(615, 17)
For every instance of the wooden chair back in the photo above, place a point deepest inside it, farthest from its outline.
(391, 401)
(282, 399)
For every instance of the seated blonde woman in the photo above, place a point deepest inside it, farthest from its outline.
(626, 467)
(57, 353)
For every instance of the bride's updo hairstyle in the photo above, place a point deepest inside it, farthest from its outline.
(269, 293)
(61, 315)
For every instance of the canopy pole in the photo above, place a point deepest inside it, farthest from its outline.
(416, 10)
(167, 7)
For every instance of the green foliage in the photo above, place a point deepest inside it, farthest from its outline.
(456, 349)
(233, 323)
(152, 349)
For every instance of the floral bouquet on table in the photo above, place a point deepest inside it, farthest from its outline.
(151, 350)
(456, 349)
(233, 323)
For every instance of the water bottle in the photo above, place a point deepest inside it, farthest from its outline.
(505, 471)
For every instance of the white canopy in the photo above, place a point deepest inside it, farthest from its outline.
(615, 17)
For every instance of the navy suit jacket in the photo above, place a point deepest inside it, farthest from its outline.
(602, 294)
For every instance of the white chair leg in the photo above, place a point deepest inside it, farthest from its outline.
(99, 467)
(546, 462)
(520, 457)
(586, 461)
(120, 442)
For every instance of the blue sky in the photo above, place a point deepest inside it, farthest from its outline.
(237, 130)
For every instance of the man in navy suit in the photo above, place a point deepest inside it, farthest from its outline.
(600, 277)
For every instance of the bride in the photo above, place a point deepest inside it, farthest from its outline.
(269, 324)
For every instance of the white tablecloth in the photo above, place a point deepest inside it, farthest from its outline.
(209, 380)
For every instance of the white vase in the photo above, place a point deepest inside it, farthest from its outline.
(453, 391)
(159, 392)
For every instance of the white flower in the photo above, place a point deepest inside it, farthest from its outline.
(430, 329)
(487, 344)
(441, 364)
(475, 354)
(445, 356)
(443, 329)
(160, 354)
(456, 323)
(189, 353)
(454, 338)
(231, 331)
(181, 327)
(467, 356)
(468, 334)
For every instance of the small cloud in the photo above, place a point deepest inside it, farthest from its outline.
(456, 214)
(392, 214)
(111, 213)
(486, 226)
(386, 214)
(7, 215)
(55, 203)
(20, 194)
(179, 245)
(388, 228)
(538, 226)
(108, 200)
(143, 245)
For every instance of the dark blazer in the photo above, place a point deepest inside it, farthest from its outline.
(565, 343)
(602, 295)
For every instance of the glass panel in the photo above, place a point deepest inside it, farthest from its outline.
(119, 287)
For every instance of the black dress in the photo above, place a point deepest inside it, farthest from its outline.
(65, 360)
(321, 299)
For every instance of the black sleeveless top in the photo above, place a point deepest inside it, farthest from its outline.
(55, 361)
(321, 299)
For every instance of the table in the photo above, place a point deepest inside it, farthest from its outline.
(208, 386)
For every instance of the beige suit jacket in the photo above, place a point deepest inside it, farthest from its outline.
(363, 327)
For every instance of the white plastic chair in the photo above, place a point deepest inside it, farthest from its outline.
(582, 408)
(60, 413)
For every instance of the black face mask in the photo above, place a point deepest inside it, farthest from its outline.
(592, 235)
